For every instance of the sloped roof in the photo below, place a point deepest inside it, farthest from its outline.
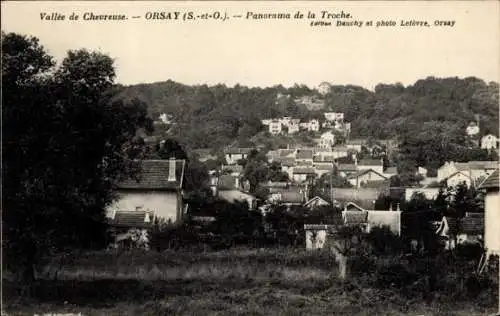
(153, 175)
(304, 154)
(130, 219)
(316, 199)
(286, 152)
(237, 150)
(370, 162)
(347, 167)
(391, 170)
(303, 170)
(286, 161)
(363, 172)
(355, 217)
(328, 158)
(292, 196)
(475, 165)
(233, 168)
(491, 182)
(323, 167)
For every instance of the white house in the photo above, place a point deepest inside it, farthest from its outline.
(492, 214)
(472, 129)
(489, 142)
(364, 177)
(293, 126)
(233, 155)
(334, 116)
(301, 174)
(469, 229)
(312, 125)
(458, 178)
(327, 140)
(275, 127)
(376, 165)
(474, 169)
(156, 190)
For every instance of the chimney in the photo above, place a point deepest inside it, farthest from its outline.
(171, 170)
(397, 208)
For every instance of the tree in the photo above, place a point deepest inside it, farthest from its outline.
(67, 141)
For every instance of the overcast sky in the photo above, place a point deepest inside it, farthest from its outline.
(270, 52)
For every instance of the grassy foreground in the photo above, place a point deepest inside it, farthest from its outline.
(236, 282)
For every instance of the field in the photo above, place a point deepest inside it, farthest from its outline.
(235, 282)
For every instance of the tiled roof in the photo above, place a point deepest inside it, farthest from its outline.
(475, 165)
(346, 167)
(370, 162)
(324, 159)
(304, 154)
(363, 172)
(291, 196)
(131, 219)
(357, 141)
(323, 167)
(492, 182)
(237, 150)
(286, 152)
(355, 217)
(153, 175)
(303, 170)
(391, 170)
(286, 161)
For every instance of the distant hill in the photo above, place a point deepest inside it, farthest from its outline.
(214, 116)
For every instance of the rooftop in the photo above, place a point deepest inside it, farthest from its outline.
(153, 175)
(492, 182)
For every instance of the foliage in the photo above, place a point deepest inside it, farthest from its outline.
(67, 140)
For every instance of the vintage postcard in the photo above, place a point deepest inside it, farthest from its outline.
(250, 157)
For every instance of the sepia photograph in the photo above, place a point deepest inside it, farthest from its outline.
(250, 158)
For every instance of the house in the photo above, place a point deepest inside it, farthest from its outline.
(492, 214)
(312, 125)
(204, 154)
(346, 169)
(302, 173)
(316, 202)
(340, 151)
(390, 172)
(472, 129)
(474, 169)
(233, 155)
(455, 231)
(376, 165)
(327, 140)
(364, 177)
(429, 193)
(355, 215)
(157, 189)
(293, 126)
(275, 127)
(289, 196)
(334, 116)
(356, 144)
(304, 156)
(130, 228)
(489, 141)
(321, 169)
(457, 178)
(229, 189)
